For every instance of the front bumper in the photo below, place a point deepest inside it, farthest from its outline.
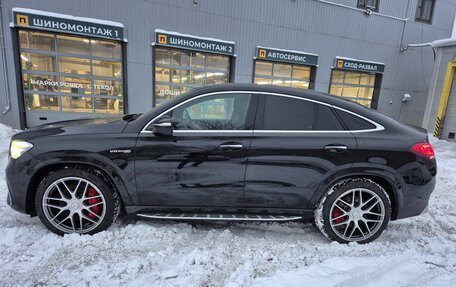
(18, 175)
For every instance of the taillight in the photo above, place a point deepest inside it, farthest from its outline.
(424, 150)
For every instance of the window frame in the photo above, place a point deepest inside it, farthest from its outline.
(376, 86)
(419, 12)
(204, 100)
(310, 82)
(253, 113)
(155, 82)
(362, 5)
(249, 119)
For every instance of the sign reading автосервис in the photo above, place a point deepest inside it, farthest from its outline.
(360, 66)
(177, 40)
(34, 19)
(293, 57)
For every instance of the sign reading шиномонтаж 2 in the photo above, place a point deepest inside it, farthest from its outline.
(177, 40)
(357, 65)
(35, 19)
(293, 57)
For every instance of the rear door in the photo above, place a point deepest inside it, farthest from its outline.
(297, 143)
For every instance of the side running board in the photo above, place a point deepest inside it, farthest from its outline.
(218, 217)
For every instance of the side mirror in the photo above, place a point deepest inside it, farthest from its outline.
(164, 126)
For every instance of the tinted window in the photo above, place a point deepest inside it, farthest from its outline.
(219, 112)
(283, 113)
(353, 122)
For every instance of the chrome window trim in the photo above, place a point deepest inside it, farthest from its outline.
(378, 127)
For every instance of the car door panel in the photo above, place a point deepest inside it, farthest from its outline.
(285, 169)
(192, 169)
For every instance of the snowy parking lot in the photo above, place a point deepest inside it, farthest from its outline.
(418, 251)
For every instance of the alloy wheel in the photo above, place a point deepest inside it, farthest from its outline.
(357, 214)
(74, 205)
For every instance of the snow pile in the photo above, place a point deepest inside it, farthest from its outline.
(419, 251)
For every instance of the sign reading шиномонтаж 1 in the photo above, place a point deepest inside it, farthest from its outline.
(67, 24)
(360, 66)
(293, 57)
(176, 40)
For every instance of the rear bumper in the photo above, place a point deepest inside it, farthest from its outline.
(414, 199)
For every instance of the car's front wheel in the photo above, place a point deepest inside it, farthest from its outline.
(353, 210)
(76, 201)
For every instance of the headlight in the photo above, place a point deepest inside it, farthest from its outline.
(19, 147)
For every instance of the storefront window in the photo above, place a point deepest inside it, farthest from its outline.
(177, 71)
(281, 74)
(356, 86)
(70, 73)
(106, 49)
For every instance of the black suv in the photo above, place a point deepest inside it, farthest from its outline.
(235, 152)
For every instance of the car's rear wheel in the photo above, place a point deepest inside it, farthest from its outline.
(76, 201)
(353, 210)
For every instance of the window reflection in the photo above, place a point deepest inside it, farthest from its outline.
(73, 65)
(41, 102)
(77, 104)
(36, 40)
(106, 49)
(109, 106)
(38, 62)
(107, 69)
(73, 45)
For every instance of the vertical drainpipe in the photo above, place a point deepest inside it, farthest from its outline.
(5, 67)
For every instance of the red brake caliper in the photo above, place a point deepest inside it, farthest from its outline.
(97, 208)
(336, 213)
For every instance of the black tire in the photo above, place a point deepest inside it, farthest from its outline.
(112, 203)
(347, 218)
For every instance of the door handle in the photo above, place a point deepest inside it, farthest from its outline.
(336, 147)
(231, 146)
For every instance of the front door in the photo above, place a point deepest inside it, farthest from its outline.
(203, 163)
(297, 143)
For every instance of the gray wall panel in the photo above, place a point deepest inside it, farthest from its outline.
(304, 25)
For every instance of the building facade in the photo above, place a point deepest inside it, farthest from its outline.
(440, 113)
(70, 59)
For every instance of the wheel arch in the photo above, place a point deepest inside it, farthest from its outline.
(109, 174)
(387, 181)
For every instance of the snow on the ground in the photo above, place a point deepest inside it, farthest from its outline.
(418, 251)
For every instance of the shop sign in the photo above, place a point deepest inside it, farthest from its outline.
(70, 85)
(177, 40)
(25, 18)
(360, 66)
(294, 57)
